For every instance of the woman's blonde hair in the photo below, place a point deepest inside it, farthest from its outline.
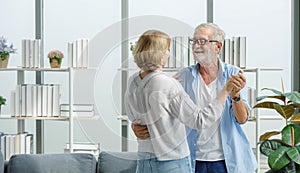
(150, 49)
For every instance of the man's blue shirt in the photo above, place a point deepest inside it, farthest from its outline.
(239, 157)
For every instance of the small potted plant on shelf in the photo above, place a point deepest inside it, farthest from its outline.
(55, 58)
(2, 102)
(283, 154)
(5, 50)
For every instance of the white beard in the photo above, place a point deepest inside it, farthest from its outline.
(205, 58)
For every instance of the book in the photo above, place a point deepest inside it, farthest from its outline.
(74, 57)
(242, 52)
(12, 103)
(226, 48)
(85, 53)
(55, 100)
(79, 53)
(70, 54)
(29, 144)
(236, 51)
(78, 107)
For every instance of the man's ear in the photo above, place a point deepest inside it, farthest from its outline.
(219, 46)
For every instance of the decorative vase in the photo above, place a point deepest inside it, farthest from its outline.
(4, 60)
(55, 62)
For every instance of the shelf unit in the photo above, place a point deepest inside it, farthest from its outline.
(257, 119)
(39, 120)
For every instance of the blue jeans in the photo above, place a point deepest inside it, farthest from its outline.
(148, 163)
(210, 166)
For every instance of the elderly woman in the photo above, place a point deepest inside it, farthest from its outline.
(161, 103)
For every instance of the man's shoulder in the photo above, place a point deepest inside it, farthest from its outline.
(231, 69)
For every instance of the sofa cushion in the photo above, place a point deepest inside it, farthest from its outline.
(52, 163)
(117, 162)
(1, 163)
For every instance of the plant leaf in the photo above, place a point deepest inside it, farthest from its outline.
(267, 135)
(296, 119)
(285, 110)
(279, 159)
(267, 105)
(294, 155)
(269, 146)
(273, 90)
(280, 97)
(286, 134)
(293, 96)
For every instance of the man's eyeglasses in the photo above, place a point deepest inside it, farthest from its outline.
(201, 41)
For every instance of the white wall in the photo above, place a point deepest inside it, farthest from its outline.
(266, 25)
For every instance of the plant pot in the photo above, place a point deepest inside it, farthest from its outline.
(55, 62)
(3, 60)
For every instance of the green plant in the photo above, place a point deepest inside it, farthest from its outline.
(2, 102)
(55, 54)
(283, 154)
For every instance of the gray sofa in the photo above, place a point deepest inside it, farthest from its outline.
(108, 162)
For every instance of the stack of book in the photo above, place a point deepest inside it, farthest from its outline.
(82, 110)
(11, 144)
(78, 53)
(31, 53)
(234, 51)
(35, 100)
(84, 147)
(180, 53)
(252, 101)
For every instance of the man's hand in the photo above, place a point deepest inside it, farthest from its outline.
(140, 131)
(239, 82)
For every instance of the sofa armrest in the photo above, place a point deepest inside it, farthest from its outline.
(52, 163)
(117, 162)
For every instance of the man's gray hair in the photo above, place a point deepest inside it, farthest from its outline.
(219, 34)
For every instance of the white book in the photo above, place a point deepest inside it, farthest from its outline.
(29, 144)
(29, 100)
(77, 107)
(44, 100)
(2, 145)
(20, 143)
(231, 61)
(171, 62)
(55, 100)
(31, 54)
(49, 100)
(222, 52)
(24, 53)
(34, 100)
(85, 53)
(70, 54)
(39, 100)
(18, 101)
(226, 48)
(236, 51)
(78, 113)
(74, 58)
(243, 52)
(27, 58)
(7, 147)
(36, 59)
(84, 146)
(12, 104)
(190, 55)
(178, 52)
(79, 53)
(23, 100)
(185, 44)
